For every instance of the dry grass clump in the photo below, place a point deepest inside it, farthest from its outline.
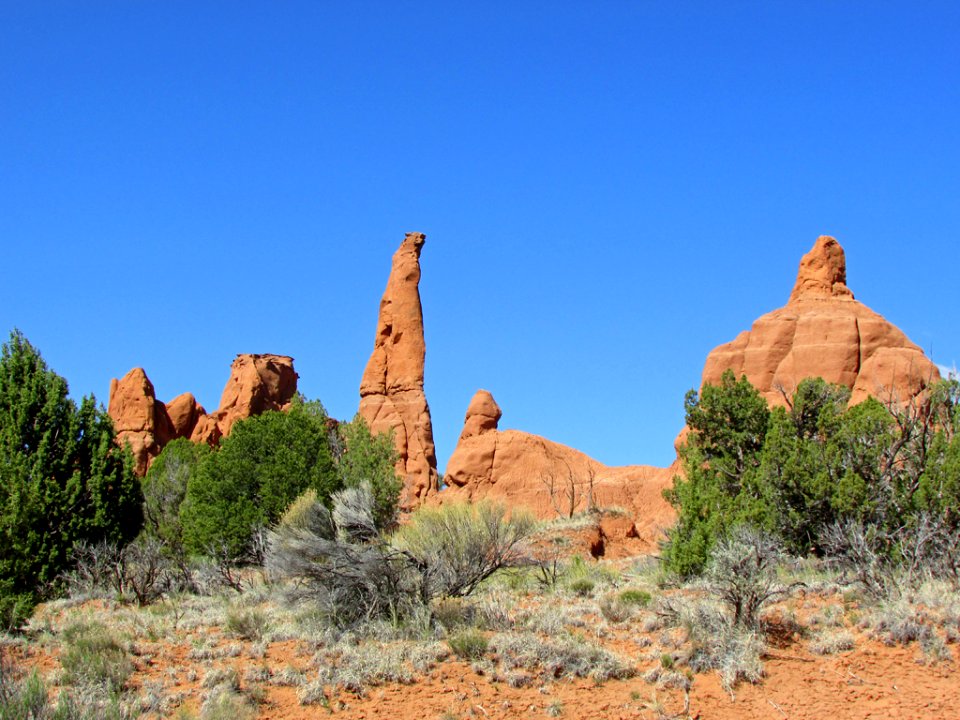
(831, 642)
(226, 703)
(897, 623)
(714, 641)
(246, 623)
(558, 658)
(469, 644)
(356, 667)
(93, 657)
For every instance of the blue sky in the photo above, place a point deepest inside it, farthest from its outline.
(609, 190)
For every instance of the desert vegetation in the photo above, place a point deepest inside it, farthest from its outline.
(274, 573)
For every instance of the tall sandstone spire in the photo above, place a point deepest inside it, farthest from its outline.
(822, 331)
(391, 391)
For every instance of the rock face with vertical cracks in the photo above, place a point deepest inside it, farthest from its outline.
(391, 390)
(257, 383)
(823, 331)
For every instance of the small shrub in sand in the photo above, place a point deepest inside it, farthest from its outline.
(224, 703)
(469, 644)
(247, 624)
(828, 643)
(556, 658)
(637, 598)
(93, 657)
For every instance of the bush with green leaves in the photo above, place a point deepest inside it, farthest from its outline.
(259, 469)
(801, 470)
(460, 545)
(63, 480)
(265, 463)
(721, 461)
(165, 487)
(372, 459)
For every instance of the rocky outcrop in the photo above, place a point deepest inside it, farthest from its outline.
(823, 331)
(257, 383)
(139, 419)
(548, 478)
(184, 411)
(391, 390)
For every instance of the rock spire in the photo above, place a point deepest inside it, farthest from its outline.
(391, 390)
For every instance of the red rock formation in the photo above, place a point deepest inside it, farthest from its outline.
(548, 478)
(184, 411)
(391, 391)
(823, 331)
(257, 383)
(140, 420)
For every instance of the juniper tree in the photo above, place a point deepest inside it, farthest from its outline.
(63, 480)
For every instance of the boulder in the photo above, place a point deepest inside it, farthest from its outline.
(257, 383)
(391, 390)
(184, 411)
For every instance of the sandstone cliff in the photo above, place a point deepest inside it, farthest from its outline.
(391, 390)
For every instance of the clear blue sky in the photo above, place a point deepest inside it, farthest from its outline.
(609, 190)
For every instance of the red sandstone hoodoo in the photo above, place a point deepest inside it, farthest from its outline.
(257, 383)
(823, 332)
(391, 391)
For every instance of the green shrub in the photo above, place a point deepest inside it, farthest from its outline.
(165, 487)
(93, 657)
(260, 469)
(582, 587)
(469, 644)
(639, 598)
(798, 472)
(372, 459)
